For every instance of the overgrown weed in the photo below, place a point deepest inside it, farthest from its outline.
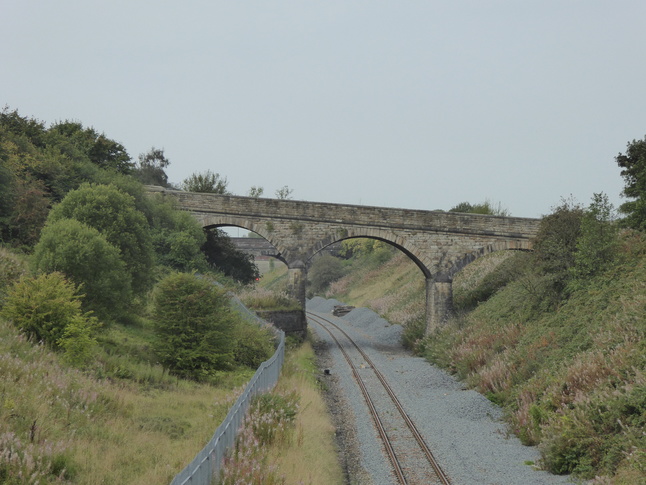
(287, 436)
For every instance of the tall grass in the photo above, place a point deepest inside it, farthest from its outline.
(287, 437)
(61, 425)
(262, 298)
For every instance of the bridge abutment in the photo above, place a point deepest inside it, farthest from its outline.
(439, 302)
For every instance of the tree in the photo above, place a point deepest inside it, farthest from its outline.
(633, 164)
(177, 237)
(113, 214)
(222, 254)
(6, 195)
(485, 207)
(89, 260)
(193, 324)
(34, 130)
(324, 270)
(76, 141)
(558, 232)
(284, 193)
(207, 182)
(597, 243)
(29, 212)
(151, 168)
(255, 192)
(554, 254)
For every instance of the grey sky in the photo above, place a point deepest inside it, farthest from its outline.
(416, 104)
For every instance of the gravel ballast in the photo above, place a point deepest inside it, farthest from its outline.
(463, 428)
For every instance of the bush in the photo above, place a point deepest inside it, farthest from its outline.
(556, 242)
(84, 256)
(254, 344)
(324, 270)
(193, 323)
(633, 164)
(222, 254)
(78, 342)
(176, 236)
(12, 267)
(48, 308)
(598, 243)
(114, 215)
(413, 333)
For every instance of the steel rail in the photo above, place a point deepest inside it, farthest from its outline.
(415, 432)
(399, 473)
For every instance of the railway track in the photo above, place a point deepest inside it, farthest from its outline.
(411, 459)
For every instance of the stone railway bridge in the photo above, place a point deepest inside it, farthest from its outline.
(440, 243)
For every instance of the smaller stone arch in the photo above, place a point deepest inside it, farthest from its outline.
(483, 251)
(210, 220)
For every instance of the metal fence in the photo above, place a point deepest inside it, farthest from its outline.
(206, 465)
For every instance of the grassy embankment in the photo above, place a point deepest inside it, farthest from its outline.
(122, 419)
(572, 379)
(61, 425)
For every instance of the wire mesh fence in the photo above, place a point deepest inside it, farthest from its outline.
(206, 465)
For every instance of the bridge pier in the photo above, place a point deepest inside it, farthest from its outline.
(297, 279)
(439, 301)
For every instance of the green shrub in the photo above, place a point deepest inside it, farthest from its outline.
(413, 333)
(84, 256)
(78, 342)
(177, 237)
(253, 344)
(324, 270)
(597, 245)
(12, 267)
(113, 213)
(222, 255)
(43, 308)
(555, 248)
(193, 323)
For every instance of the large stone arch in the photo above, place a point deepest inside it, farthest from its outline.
(405, 246)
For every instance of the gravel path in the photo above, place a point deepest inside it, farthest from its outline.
(462, 427)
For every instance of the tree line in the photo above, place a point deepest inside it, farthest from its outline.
(99, 250)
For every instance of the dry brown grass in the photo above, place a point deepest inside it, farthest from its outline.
(310, 457)
(161, 434)
(104, 431)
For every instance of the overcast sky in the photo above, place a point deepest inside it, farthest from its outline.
(414, 104)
